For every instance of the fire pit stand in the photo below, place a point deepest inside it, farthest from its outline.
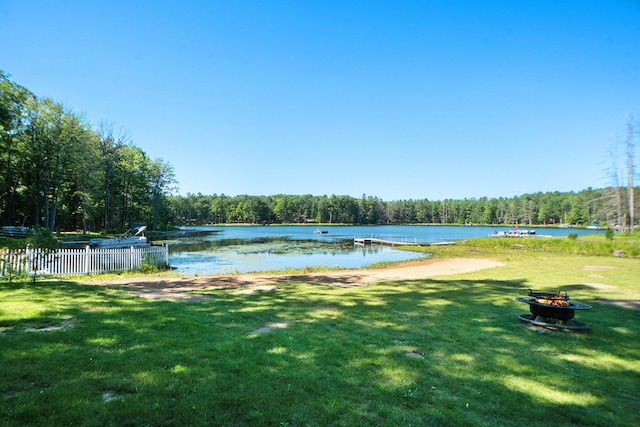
(552, 310)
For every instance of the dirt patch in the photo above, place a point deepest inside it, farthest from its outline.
(108, 397)
(600, 286)
(253, 289)
(632, 305)
(413, 355)
(159, 294)
(186, 288)
(597, 267)
(66, 323)
(269, 328)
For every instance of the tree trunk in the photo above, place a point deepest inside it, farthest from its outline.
(630, 195)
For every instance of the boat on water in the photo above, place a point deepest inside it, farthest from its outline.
(318, 231)
(565, 224)
(518, 232)
(127, 240)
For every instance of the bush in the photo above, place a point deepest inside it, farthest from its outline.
(572, 236)
(148, 268)
(41, 238)
(608, 234)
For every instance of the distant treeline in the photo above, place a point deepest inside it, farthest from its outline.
(582, 208)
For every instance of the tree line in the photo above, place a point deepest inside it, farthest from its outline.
(551, 208)
(60, 173)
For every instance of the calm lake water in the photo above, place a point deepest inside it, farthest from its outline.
(242, 249)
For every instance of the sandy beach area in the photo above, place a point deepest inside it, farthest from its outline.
(186, 288)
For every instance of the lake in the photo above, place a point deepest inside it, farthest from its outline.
(243, 249)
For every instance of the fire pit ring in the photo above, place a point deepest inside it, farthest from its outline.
(552, 310)
(549, 323)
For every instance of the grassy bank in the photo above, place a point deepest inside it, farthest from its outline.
(593, 245)
(588, 245)
(438, 351)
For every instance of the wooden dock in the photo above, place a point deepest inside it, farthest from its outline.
(382, 242)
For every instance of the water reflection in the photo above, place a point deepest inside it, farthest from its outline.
(235, 255)
(241, 249)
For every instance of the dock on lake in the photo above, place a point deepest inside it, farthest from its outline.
(382, 242)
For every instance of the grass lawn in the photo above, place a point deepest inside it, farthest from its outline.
(437, 351)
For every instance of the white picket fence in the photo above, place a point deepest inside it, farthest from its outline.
(63, 262)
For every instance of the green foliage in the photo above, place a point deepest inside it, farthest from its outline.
(608, 234)
(572, 236)
(9, 272)
(540, 208)
(147, 268)
(41, 238)
(12, 242)
(43, 241)
(58, 173)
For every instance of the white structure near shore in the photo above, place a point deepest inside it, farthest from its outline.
(66, 262)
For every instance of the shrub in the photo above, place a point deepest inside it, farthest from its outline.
(608, 234)
(148, 268)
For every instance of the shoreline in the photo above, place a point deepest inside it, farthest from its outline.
(183, 288)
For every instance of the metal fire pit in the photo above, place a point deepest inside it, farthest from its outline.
(552, 310)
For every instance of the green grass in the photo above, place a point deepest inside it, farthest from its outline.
(437, 351)
(585, 245)
(595, 245)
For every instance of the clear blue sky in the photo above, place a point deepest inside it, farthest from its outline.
(399, 100)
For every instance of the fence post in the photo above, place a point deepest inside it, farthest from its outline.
(29, 263)
(166, 255)
(87, 259)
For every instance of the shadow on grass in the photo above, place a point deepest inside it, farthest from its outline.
(421, 352)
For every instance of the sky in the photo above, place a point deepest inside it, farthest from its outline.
(397, 100)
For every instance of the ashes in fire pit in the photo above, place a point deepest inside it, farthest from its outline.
(552, 310)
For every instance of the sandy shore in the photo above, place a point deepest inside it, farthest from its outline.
(180, 288)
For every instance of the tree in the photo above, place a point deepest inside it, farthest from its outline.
(51, 134)
(631, 132)
(620, 207)
(110, 146)
(280, 208)
(41, 240)
(12, 105)
(77, 177)
(219, 209)
(162, 181)
(133, 175)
